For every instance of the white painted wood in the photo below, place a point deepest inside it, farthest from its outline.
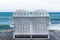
(23, 20)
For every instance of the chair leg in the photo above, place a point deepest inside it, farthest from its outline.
(13, 36)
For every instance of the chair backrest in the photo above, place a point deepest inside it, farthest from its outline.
(41, 21)
(21, 22)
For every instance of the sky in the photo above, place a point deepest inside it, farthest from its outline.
(12, 5)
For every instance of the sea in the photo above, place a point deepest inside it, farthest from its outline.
(6, 19)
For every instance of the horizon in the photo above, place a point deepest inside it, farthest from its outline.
(31, 11)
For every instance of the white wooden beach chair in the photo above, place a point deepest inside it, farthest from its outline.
(31, 25)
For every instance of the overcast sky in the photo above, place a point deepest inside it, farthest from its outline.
(12, 5)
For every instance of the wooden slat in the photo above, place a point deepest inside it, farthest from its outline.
(6, 36)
